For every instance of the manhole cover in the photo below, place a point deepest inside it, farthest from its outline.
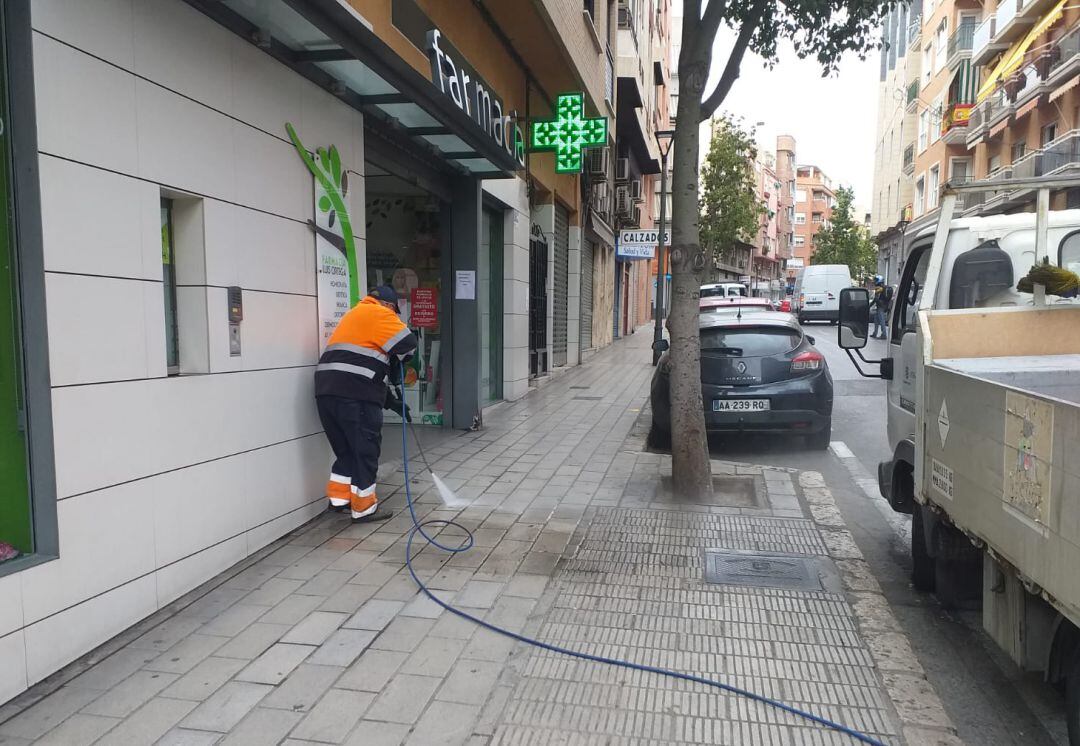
(589, 398)
(761, 570)
(579, 387)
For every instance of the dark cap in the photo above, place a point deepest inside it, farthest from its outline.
(384, 293)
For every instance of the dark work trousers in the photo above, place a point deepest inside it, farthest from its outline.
(354, 429)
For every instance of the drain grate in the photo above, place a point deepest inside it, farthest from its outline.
(579, 387)
(760, 569)
(588, 398)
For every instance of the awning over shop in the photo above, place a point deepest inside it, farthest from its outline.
(1061, 89)
(327, 42)
(1014, 56)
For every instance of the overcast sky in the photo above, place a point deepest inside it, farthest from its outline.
(832, 119)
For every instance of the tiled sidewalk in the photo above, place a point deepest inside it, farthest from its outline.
(326, 640)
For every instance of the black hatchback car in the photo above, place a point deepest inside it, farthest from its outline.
(760, 373)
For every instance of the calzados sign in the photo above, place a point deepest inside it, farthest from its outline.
(473, 95)
(639, 244)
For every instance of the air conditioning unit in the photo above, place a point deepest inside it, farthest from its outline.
(622, 169)
(600, 201)
(624, 205)
(598, 163)
(636, 191)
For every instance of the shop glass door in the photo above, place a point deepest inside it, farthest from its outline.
(490, 299)
(16, 527)
(404, 250)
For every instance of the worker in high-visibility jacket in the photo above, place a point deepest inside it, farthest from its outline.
(369, 346)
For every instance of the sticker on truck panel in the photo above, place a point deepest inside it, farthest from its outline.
(1029, 448)
(941, 478)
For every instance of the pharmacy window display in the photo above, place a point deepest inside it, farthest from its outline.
(404, 250)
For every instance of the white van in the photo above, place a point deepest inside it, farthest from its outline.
(817, 292)
(724, 290)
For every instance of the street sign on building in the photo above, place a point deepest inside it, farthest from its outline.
(639, 244)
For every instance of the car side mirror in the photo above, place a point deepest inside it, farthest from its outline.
(662, 345)
(854, 326)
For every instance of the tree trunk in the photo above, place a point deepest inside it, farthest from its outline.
(690, 468)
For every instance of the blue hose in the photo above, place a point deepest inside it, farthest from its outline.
(467, 543)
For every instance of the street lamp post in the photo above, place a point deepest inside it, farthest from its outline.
(661, 270)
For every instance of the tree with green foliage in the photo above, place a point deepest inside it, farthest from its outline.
(730, 208)
(845, 241)
(819, 29)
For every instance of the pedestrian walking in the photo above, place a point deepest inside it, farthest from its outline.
(363, 355)
(882, 304)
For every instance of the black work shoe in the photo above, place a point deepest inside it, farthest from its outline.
(378, 515)
(337, 508)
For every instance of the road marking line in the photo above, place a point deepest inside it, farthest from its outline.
(841, 450)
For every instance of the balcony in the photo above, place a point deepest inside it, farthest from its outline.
(993, 110)
(954, 122)
(960, 44)
(914, 29)
(909, 159)
(912, 95)
(1062, 154)
(1064, 59)
(1014, 18)
(983, 44)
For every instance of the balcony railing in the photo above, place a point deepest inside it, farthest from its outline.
(981, 47)
(909, 158)
(1062, 153)
(1006, 12)
(913, 30)
(1065, 53)
(913, 92)
(960, 42)
(955, 117)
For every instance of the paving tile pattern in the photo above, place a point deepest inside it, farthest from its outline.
(323, 638)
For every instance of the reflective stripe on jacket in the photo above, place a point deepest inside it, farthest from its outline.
(358, 356)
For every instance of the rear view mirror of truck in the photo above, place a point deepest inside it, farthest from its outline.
(854, 326)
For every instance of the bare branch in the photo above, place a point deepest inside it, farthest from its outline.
(731, 70)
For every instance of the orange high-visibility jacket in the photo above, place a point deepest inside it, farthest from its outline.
(368, 339)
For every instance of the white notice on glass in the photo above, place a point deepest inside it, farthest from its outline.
(465, 287)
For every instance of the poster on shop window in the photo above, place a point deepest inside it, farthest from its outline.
(337, 276)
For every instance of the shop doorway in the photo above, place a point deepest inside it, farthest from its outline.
(538, 302)
(489, 296)
(405, 239)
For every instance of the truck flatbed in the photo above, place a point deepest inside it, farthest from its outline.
(1051, 376)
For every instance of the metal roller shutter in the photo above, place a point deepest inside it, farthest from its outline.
(562, 269)
(587, 250)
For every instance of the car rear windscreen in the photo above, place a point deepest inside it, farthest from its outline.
(750, 341)
(710, 292)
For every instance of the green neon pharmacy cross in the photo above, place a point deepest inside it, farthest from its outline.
(569, 133)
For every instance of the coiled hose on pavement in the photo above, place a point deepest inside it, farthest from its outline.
(467, 543)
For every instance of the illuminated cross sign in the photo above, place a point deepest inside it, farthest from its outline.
(569, 133)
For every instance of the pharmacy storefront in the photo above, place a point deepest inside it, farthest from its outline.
(241, 173)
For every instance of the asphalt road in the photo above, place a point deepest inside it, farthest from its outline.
(989, 699)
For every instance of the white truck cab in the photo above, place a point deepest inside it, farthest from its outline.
(983, 409)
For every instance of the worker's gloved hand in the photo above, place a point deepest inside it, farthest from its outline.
(395, 404)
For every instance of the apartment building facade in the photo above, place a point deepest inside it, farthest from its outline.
(644, 71)
(994, 89)
(896, 133)
(240, 173)
(814, 202)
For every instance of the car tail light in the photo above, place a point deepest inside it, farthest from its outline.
(807, 361)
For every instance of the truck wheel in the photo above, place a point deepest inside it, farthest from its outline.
(922, 564)
(1072, 700)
